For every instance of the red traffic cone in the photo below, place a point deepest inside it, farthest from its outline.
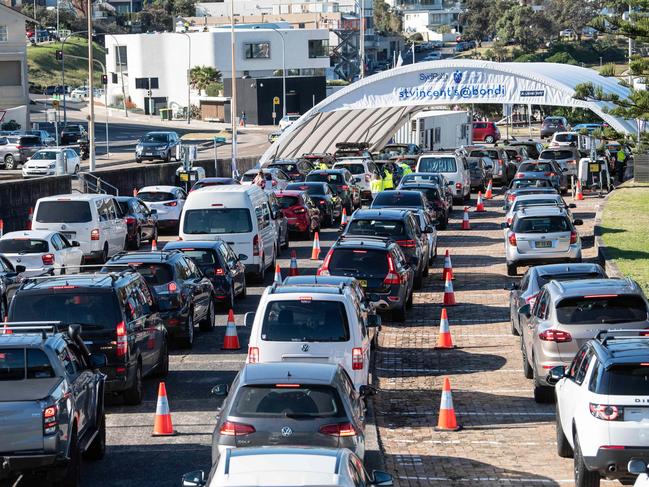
(447, 420)
(343, 219)
(154, 246)
(489, 193)
(445, 340)
(2, 227)
(580, 195)
(448, 267)
(135, 191)
(315, 252)
(231, 340)
(278, 275)
(466, 225)
(162, 425)
(449, 294)
(28, 225)
(6, 330)
(293, 271)
(480, 206)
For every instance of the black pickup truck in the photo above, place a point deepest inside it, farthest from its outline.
(51, 402)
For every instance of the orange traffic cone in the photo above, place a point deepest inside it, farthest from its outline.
(135, 191)
(231, 340)
(2, 227)
(6, 330)
(447, 420)
(28, 226)
(315, 252)
(343, 219)
(448, 267)
(480, 206)
(278, 275)
(489, 193)
(466, 225)
(449, 294)
(162, 425)
(293, 269)
(445, 340)
(580, 195)
(154, 246)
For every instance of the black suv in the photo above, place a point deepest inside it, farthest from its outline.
(401, 226)
(183, 294)
(141, 222)
(118, 317)
(380, 266)
(71, 134)
(343, 182)
(403, 198)
(435, 198)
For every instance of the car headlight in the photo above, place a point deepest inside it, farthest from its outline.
(52, 165)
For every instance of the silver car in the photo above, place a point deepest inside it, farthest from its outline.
(566, 157)
(529, 200)
(541, 236)
(567, 314)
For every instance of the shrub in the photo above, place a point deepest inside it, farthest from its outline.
(607, 70)
(562, 58)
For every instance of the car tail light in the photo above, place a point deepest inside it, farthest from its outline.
(230, 428)
(130, 220)
(172, 287)
(344, 187)
(48, 259)
(338, 429)
(357, 359)
(519, 175)
(549, 174)
(122, 339)
(274, 183)
(607, 413)
(324, 268)
(458, 185)
(557, 336)
(253, 355)
(255, 245)
(531, 299)
(500, 161)
(299, 211)
(94, 234)
(408, 244)
(50, 424)
(511, 197)
(511, 236)
(392, 277)
(171, 203)
(573, 237)
(367, 178)
(219, 272)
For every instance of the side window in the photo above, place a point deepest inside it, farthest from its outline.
(259, 213)
(592, 384)
(38, 365)
(541, 308)
(265, 212)
(77, 358)
(583, 367)
(66, 242)
(101, 210)
(3, 266)
(576, 362)
(225, 256)
(525, 281)
(182, 271)
(194, 271)
(66, 359)
(57, 243)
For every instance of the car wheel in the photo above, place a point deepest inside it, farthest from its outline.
(104, 254)
(72, 472)
(399, 314)
(409, 300)
(425, 271)
(564, 450)
(514, 330)
(489, 139)
(97, 449)
(286, 240)
(244, 293)
(167, 157)
(261, 275)
(583, 476)
(10, 162)
(512, 269)
(188, 341)
(542, 394)
(163, 362)
(527, 368)
(136, 242)
(207, 324)
(138, 160)
(133, 395)
(76, 169)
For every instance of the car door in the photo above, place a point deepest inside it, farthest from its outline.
(569, 389)
(143, 332)
(74, 372)
(86, 384)
(75, 254)
(539, 313)
(202, 285)
(268, 233)
(117, 225)
(145, 217)
(62, 256)
(237, 269)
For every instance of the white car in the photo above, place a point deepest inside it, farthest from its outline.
(562, 139)
(81, 92)
(433, 56)
(365, 173)
(168, 201)
(276, 179)
(43, 162)
(287, 466)
(41, 250)
(454, 166)
(638, 467)
(602, 419)
(288, 120)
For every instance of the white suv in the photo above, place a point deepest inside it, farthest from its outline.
(602, 398)
(365, 172)
(454, 166)
(301, 323)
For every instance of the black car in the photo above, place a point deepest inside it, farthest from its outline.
(532, 147)
(10, 280)
(380, 266)
(141, 223)
(437, 178)
(118, 317)
(71, 133)
(182, 292)
(296, 169)
(324, 197)
(405, 198)
(342, 181)
(219, 263)
(401, 226)
(433, 194)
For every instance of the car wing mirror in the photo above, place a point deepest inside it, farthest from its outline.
(220, 390)
(525, 310)
(249, 319)
(367, 391)
(510, 286)
(556, 374)
(572, 205)
(153, 211)
(504, 225)
(20, 269)
(194, 479)
(74, 243)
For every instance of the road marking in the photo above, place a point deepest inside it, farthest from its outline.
(506, 480)
(474, 442)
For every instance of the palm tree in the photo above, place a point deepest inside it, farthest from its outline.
(200, 77)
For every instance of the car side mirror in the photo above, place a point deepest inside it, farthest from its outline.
(572, 205)
(525, 310)
(242, 256)
(380, 478)
(578, 222)
(637, 466)
(74, 243)
(153, 211)
(556, 374)
(98, 360)
(367, 391)
(20, 269)
(249, 319)
(429, 228)
(194, 479)
(510, 286)
(220, 390)
(373, 321)
(504, 225)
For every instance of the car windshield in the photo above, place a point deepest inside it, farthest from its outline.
(377, 228)
(556, 155)
(543, 279)
(23, 246)
(565, 137)
(606, 309)
(362, 262)
(437, 164)
(155, 196)
(13, 367)
(353, 168)
(305, 320)
(70, 307)
(624, 380)
(287, 400)
(552, 122)
(217, 220)
(63, 212)
(202, 257)
(45, 155)
(287, 201)
(332, 178)
(155, 138)
(535, 167)
(154, 274)
(402, 199)
(531, 183)
(542, 224)
(311, 189)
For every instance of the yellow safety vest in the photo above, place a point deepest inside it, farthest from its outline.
(406, 168)
(323, 166)
(388, 183)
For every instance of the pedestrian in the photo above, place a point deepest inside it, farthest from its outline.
(620, 159)
(244, 119)
(260, 180)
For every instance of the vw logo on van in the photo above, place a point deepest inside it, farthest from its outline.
(286, 431)
(305, 347)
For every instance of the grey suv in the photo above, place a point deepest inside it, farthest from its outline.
(157, 145)
(291, 404)
(15, 150)
(568, 314)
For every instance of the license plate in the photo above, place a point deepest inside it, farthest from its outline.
(543, 244)
(636, 414)
(363, 282)
(148, 153)
(68, 235)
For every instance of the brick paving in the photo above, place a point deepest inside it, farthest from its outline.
(507, 439)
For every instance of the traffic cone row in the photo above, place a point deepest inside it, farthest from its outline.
(448, 267)
(315, 252)
(293, 271)
(162, 425)
(489, 193)
(480, 205)
(447, 420)
(231, 340)
(278, 275)
(343, 219)
(580, 195)
(466, 225)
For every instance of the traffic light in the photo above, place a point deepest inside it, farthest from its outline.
(149, 94)
(59, 55)
(104, 79)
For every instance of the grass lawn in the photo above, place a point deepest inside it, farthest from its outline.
(625, 229)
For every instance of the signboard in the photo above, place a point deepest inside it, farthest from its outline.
(276, 100)
(219, 140)
(51, 115)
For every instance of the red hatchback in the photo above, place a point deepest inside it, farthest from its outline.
(301, 212)
(485, 132)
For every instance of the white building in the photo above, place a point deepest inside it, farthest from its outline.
(159, 62)
(14, 87)
(426, 20)
(278, 7)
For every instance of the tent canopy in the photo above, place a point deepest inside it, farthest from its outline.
(373, 109)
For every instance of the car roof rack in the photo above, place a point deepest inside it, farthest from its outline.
(604, 336)
(42, 327)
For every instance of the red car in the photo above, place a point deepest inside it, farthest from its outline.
(485, 132)
(301, 212)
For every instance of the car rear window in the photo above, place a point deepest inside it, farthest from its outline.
(215, 221)
(154, 197)
(30, 141)
(311, 189)
(91, 310)
(12, 364)
(565, 137)
(431, 194)
(305, 320)
(154, 274)
(437, 164)
(60, 211)
(624, 380)
(399, 199)
(531, 183)
(288, 401)
(545, 278)
(601, 310)
(332, 178)
(359, 261)
(23, 246)
(376, 228)
(287, 201)
(202, 257)
(540, 202)
(352, 168)
(542, 224)
(286, 167)
(535, 167)
(557, 154)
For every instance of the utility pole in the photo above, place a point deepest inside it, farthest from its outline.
(361, 43)
(91, 90)
(233, 101)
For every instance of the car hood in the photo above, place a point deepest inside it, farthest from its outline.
(41, 163)
(152, 144)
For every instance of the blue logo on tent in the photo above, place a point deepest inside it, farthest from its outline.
(457, 76)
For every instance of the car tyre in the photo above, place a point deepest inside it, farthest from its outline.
(162, 369)
(419, 281)
(97, 449)
(207, 324)
(564, 450)
(133, 395)
(542, 394)
(188, 341)
(104, 254)
(512, 269)
(244, 293)
(583, 476)
(409, 300)
(138, 160)
(167, 157)
(527, 368)
(261, 275)
(72, 473)
(76, 169)
(136, 242)
(10, 162)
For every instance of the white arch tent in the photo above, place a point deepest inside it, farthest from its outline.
(373, 109)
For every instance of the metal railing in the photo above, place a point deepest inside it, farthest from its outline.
(93, 184)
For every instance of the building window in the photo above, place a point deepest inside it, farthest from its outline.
(318, 48)
(259, 50)
(10, 73)
(154, 83)
(4, 36)
(143, 83)
(121, 59)
(113, 78)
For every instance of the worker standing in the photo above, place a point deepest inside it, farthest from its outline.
(388, 182)
(620, 159)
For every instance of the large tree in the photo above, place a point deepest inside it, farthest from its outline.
(520, 24)
(572, 14)
(385, 19)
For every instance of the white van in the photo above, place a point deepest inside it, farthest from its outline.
(93, 220)
(454, 167)
(239, 215)
(302, 323)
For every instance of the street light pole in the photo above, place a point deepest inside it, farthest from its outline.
(189, 68)
(283, 69)
(361, 43)
(233, 101)
(91, 91)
